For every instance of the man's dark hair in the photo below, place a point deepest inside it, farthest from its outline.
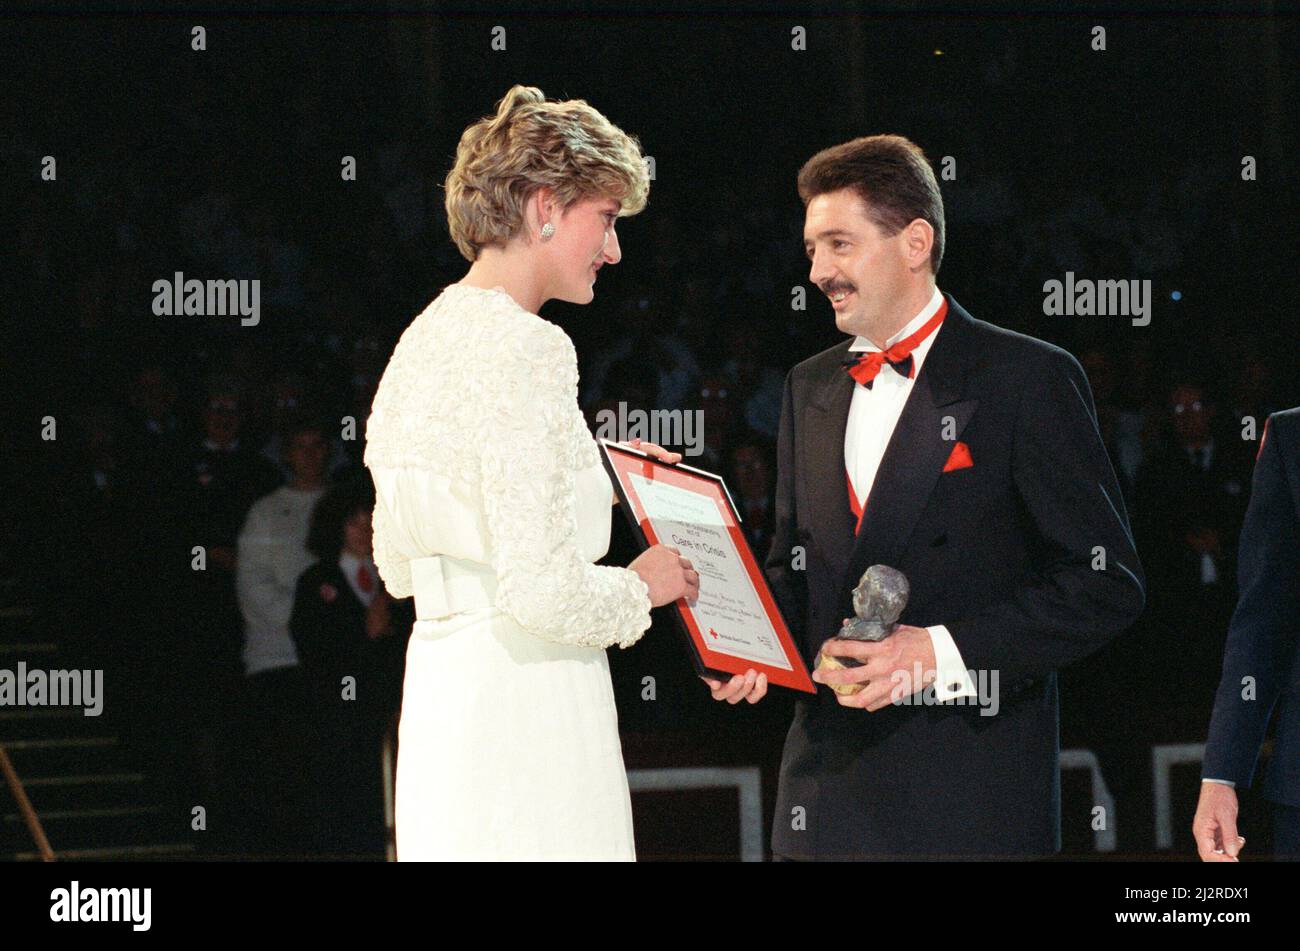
(305, 421)
(892, 177)
(325, 535)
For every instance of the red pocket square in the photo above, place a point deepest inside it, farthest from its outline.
(960, 458)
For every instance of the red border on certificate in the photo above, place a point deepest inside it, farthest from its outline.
(622, 462)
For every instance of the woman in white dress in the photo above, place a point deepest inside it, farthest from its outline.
(492, 505)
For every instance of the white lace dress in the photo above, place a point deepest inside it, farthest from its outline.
(492, 505)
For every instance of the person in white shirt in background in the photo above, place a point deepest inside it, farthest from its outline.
(272, 553)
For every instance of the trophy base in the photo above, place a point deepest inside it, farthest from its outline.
(841, 663)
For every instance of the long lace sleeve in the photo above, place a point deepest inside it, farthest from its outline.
(532, 442)
(393, 566)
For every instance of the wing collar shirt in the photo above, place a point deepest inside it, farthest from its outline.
(873, 414)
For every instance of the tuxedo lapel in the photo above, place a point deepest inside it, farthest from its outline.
(830, 519)
(917, 450)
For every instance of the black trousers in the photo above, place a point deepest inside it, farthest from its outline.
(1286, 833)
(271, 765)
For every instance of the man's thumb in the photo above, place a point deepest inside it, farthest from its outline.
(1231, 841)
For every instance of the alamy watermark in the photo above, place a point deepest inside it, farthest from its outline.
(213, 298)
(33, 687)
(663, 427)
(75, 903)
(905, 694)
(1089, 298)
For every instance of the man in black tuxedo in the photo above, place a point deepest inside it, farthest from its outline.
(1261, 660)
(968, 457)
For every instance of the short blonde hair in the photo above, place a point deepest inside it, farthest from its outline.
(530, 143)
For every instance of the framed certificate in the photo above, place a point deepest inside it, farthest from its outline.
(734, 624)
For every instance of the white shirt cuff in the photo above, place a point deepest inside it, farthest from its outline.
(1224, 782)
(952, 679)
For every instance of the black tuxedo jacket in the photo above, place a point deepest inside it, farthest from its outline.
(1026, 556)
(1264, 635)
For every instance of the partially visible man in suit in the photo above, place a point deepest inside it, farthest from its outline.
(968, 457)
(1189, 502)
(1261, 660)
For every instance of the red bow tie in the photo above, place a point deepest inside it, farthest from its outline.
(865, 366)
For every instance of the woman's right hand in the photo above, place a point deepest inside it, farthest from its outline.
(751, 686)
(667, 574)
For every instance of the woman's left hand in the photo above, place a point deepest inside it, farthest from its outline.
(659, 452)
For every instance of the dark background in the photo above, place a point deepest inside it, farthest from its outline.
(1117, 165)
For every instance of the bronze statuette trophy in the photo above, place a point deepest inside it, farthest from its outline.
(878, 599)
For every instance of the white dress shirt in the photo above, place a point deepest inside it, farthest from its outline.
(349, 564)
(873, 414)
